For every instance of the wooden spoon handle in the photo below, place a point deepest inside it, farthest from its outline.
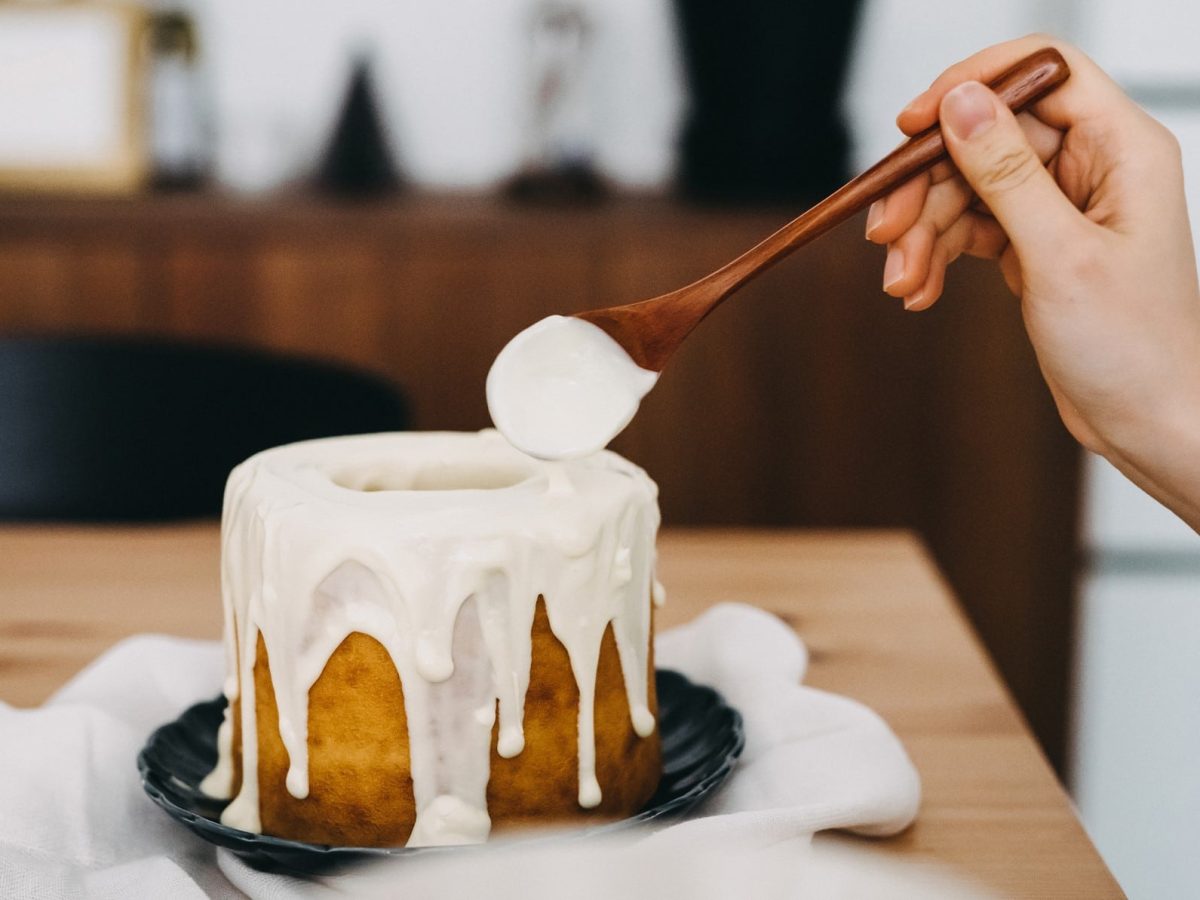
(1027, 81)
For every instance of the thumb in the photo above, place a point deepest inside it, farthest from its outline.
(990, 149)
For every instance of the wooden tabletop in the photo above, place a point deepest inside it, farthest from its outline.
(879, 622)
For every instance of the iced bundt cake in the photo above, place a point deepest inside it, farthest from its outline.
(432, 635)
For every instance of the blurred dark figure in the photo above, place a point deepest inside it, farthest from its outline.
(132, 429)
(765, 80)
(358, 161)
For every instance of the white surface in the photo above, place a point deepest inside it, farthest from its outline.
(62, 86)
(451, 87)
(1137, 729)
(674, 865)
(639, 91)
(76, 823)
(1185, 123)
(1150, 41)
(451, 82)
(904, 44)
(563, 388)
(277, 81)
(1120, 516)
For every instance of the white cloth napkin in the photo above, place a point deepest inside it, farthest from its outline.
(74, 821)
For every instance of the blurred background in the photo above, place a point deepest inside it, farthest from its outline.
(398, 187)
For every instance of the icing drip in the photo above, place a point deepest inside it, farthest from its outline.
(438, 546)
(658, 593)
(219, 782)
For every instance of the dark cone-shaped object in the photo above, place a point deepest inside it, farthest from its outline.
(358, 162)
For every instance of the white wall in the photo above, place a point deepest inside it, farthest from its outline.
(904, 44)
(1137, 759)
(452, 85)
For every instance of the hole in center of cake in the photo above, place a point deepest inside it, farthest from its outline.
(439, 477)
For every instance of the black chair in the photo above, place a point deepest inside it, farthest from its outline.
(128, 429)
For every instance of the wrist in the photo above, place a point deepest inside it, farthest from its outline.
(1160, 450)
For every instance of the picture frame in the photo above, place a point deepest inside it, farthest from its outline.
(72, 110)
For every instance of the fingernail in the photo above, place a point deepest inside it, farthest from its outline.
(874, 216)
(893, 268)
(911, 301)
(968, 110)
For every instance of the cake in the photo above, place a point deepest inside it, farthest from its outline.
(432, 635)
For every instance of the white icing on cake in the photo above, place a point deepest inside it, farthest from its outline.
(437, 545)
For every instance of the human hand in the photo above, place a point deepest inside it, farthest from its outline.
(1081, 200)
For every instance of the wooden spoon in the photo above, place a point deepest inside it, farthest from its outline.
(651, 330)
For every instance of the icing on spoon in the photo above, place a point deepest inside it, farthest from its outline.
(563, 388)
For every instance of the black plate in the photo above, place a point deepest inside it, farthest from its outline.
(701, 736)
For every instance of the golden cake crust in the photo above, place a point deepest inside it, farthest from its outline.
(360, 786)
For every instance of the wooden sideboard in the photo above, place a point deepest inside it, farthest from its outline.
(811, 399)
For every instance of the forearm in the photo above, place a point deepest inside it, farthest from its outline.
(1164, 458)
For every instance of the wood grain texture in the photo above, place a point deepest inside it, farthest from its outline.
(815, 400)
(880, 624)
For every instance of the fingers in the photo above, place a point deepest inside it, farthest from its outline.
(1046, 141)
(890, 217)
(973, 234)
(995, 158)
(997, 168)
(1010, 268)
(944, 204)
(1087, 93)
